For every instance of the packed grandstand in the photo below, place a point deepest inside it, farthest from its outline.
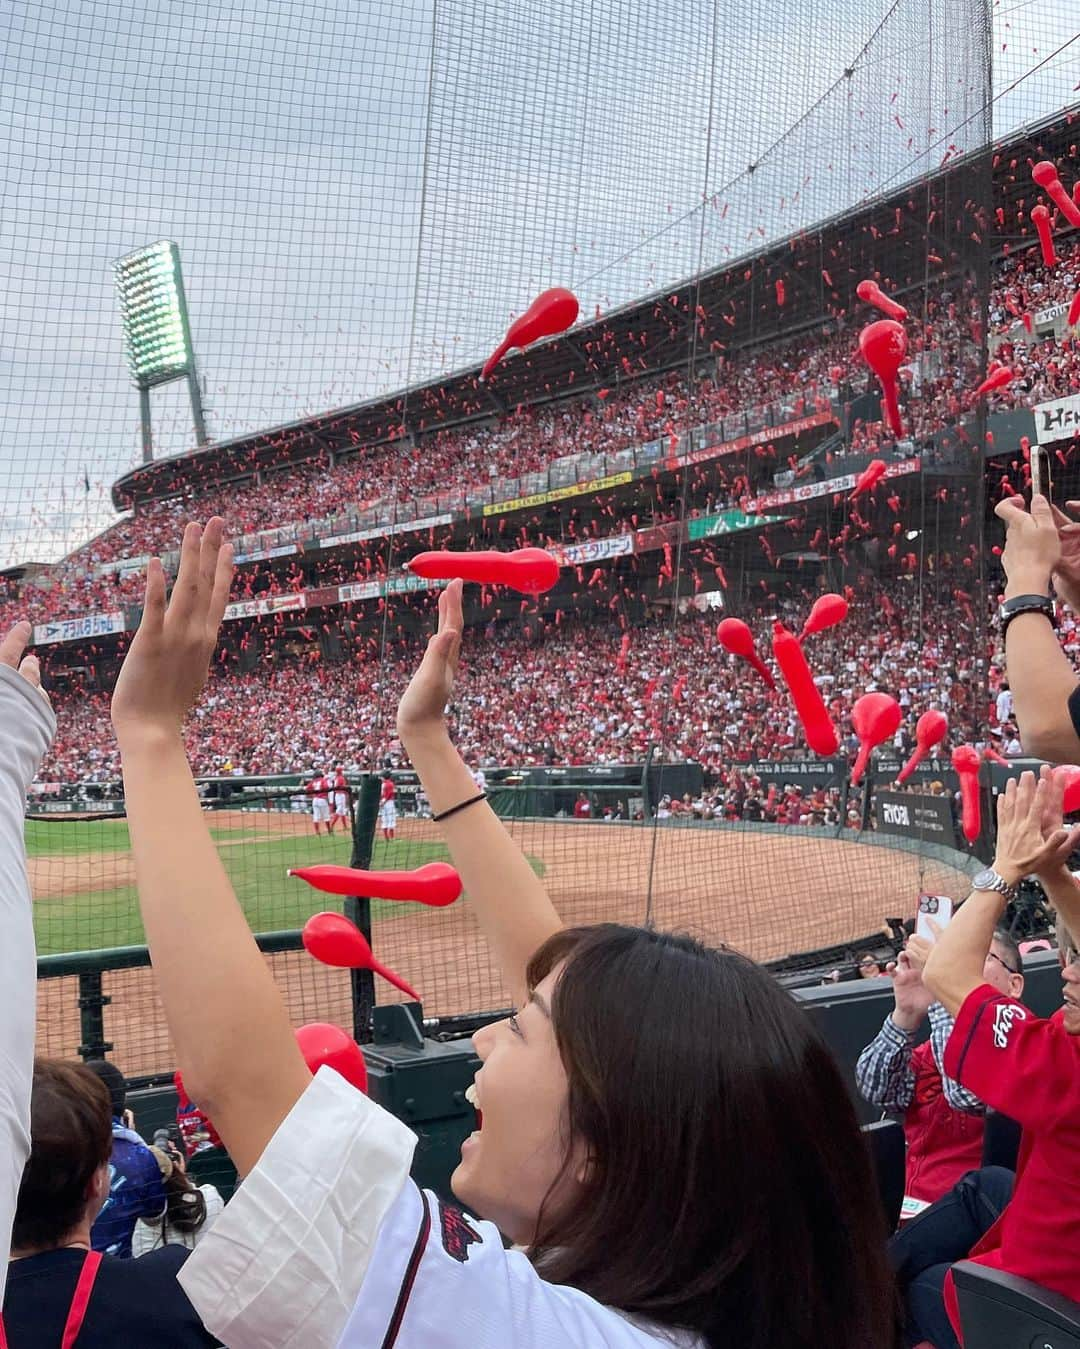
(669, 497)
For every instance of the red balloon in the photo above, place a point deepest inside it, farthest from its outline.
(1071, 774)
(436, 883)
(321, 1043)
(1046, 175)
(333, 940)
(869, 478)
(827, 611)
(736, 637)
(530, 570)
(872, 293)
(552, 312)
(875, 717)
(1040, 218)
(884, 346)
(820, 732)
(997, 379)
(931, 728)
(965, 760)
(1074, 311)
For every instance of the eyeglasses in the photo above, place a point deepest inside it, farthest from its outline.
(991, 955)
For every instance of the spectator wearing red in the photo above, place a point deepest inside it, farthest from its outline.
(943, 1122)
(1027, 1067)
(582, 807)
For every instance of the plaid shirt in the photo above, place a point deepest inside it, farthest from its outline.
(884, 1074)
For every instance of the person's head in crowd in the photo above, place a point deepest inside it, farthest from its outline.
(66, 1178)
(1069, 960)
(608, 1127)
(115, 1084)
(1004, 967)
(869, 966)
(185, 1206)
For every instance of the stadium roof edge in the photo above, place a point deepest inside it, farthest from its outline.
(383, 414)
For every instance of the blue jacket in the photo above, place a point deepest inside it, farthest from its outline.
(136, 1191)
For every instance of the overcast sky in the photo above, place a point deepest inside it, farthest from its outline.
(364, 192)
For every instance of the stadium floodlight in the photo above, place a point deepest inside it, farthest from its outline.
(157, 335)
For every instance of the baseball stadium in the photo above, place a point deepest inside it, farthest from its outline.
(760, 329)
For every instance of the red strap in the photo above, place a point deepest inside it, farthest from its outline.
(81, 1300)
(79, 1303)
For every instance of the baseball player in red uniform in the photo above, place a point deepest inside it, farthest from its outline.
(319, 791)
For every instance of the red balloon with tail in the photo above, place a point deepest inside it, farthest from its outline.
(931, 728)
(552, 312)
(966, 761)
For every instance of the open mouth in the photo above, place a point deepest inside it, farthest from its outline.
(473, 1099)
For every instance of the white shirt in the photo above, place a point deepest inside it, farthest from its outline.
(147, 1235)
(329, 1245)
(27, 725)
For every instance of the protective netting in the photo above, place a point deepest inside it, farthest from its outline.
(362, 198)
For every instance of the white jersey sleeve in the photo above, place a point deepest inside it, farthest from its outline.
(328, 1245)
(27, 724)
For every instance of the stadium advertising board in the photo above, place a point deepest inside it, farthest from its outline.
(595, 550)
(558, 494)
(75, 629)
(398, 585)
(760, 437)
(122, 566)
(929, 819)
(790, 495)
(269, 604)
(267, 554)
(1057, 420)
(385, 531)
(726, 522)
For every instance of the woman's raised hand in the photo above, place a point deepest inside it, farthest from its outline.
(168, 661)
(423, 703)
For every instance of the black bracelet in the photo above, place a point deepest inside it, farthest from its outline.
(445, 814)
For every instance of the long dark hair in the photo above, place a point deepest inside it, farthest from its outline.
(185, 1203)
(728, 1189)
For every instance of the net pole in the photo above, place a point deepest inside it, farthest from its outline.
(358, 907)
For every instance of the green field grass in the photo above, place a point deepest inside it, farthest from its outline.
(255, 860)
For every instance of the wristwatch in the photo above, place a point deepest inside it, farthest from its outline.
(1025, 604)
(989, 879)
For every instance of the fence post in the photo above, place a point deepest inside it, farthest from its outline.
(92, 1002)
(358, 907)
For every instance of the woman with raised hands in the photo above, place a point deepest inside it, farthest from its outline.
(662, 1133)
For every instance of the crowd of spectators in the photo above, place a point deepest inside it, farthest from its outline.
(673, 687)
(805, 375)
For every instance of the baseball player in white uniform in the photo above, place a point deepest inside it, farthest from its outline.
(320, 801)
(340, 799)
(388, 809)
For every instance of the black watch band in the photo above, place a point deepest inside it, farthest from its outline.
(1025, 604)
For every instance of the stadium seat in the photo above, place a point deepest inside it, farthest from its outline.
(1002, 1311)
(889, 1153)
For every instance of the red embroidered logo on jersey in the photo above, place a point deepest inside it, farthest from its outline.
(457, 1234)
